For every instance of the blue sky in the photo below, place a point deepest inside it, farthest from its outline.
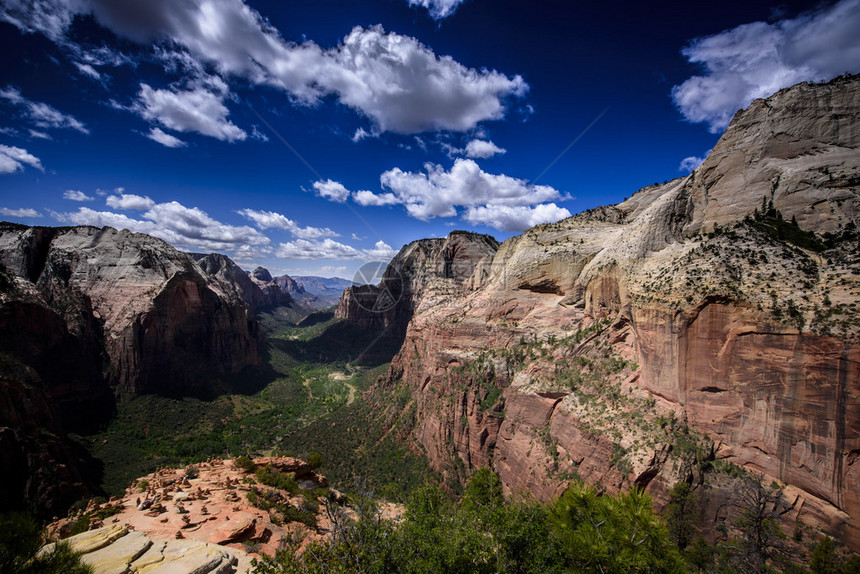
(310, 136)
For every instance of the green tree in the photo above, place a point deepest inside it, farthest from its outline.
(20, 542)
(314, 459)
(824, 559)
(682, 514)
(613, 534)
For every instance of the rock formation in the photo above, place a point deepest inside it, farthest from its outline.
(162, 322)
(214, 519)
(440, 266)
(88, 313)
(637, 343)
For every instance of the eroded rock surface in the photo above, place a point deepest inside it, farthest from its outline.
(87, 313)
(646, 342)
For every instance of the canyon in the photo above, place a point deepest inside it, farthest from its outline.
(688, 327)
(705, 324)
(90, 315)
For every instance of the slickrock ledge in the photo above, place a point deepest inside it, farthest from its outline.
(115, 549)
(202, 520)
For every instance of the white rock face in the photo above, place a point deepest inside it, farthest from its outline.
(116, 550)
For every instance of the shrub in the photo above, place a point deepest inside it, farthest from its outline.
(191, 471)
(245, 463)
(314, 459)
(269, 476)
(21, 540)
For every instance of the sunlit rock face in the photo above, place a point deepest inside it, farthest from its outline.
(88, 313)
(567, 349)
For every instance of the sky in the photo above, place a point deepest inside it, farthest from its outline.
(310, 136)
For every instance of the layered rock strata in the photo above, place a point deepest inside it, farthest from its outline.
(709, 320)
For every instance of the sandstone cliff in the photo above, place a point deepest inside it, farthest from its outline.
(438, 266)
(89, 313)
(689, 327)
(258, 290)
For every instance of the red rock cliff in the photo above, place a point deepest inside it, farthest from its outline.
(630, 343)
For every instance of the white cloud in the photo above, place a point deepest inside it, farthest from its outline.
(331, 249)
(88, 70)
(331, 190)
(755, 60)
(381, 250)
(129, 201)
(197, 110)
(515, 219)
(183, 227)
(438, 193)
(688, 164)
(394, 80)
(19, 212)
(75, 195)
(13, 159)
(41, 114)
(404, 87)
(39, 135)
(250, 253)
(360, 134)
(438, 8)
(325, 249)
(483, 149)
(165, 139)
(273, 220)
(50, 17)
(367, 198)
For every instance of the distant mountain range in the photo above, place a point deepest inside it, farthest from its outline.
(326, 289)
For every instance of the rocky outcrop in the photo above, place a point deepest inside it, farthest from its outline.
(258, 290)
(40, 466)
(87, 314)
(440, 266)
(276, 292)
(155, 317)
(115, 548)
(215, 518)
(797, 148)
(632, 344)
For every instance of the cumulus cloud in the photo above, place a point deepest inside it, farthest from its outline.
(381, 250)
(331, 249)
(325, 249)
(331, 190)
(41, 114)
(755, 60)
(196, 110)
(19, 212)
(515, 219)
(438, 8)
(688, 164)
(439, 193)
(13, 159)
(368, 198)
(183, 227)
(404, 87)
(394, 80)
(75, 195)
(483, 149)
(165, 139)
(129, 201)
(273, 220)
